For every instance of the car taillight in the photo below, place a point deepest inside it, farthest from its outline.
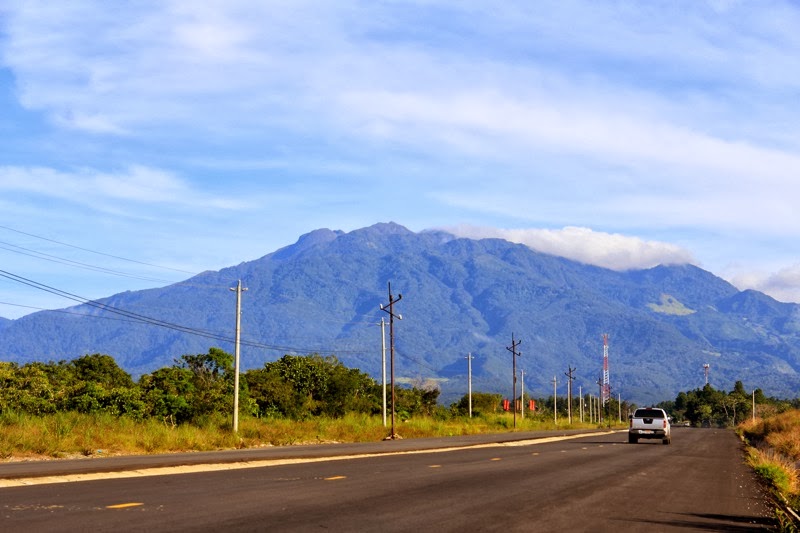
(665, 423)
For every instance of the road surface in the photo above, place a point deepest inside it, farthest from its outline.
(594, 483)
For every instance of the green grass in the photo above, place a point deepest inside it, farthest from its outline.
(670, 306)
(774, 453)
(74, 434)
(774, 470)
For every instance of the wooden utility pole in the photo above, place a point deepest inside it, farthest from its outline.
(570, 377)
(599, 401)
(514, 354)
(390, 309)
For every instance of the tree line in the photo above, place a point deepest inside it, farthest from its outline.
(198, 387)
(710, 407)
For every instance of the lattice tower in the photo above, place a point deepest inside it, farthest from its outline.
(606, 390)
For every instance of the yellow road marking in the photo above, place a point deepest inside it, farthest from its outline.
(434, 466)
(334, 478)
(124, 505)
(496, 459)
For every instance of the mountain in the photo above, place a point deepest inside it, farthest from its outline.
(459, 296)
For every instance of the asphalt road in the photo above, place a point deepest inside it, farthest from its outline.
(593, 483)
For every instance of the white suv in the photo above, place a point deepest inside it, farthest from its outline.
(649, 423)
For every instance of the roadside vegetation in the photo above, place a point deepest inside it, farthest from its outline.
(709, 407)
(91, 407)
(774, 453)
(72, 434)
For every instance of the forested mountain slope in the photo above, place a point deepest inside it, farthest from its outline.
(459, 296)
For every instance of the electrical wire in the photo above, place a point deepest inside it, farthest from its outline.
(130, 316)
(95, 251)
(63, 261)
(136, 317)
(56, 259)
(66, 312)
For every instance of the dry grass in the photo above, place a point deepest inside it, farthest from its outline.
(73, 434)
(780, 432)
(774, 455)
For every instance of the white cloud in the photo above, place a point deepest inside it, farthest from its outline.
(783, 284)
(103, 190)
(619, 115)
(608, 250)
(88, 123)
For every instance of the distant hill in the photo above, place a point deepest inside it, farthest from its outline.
(459, 296)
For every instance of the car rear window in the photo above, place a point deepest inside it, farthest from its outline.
(649, 413)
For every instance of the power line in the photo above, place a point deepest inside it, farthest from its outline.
(63, 261)
(95, 251)
(290, 349)
(109, 308)
(66, 312)
(357, 320)
(57, 259)
(136, 317)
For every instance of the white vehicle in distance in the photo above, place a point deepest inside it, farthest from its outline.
(649, 423)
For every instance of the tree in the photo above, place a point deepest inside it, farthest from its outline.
(26, 389)
(349, 391)
(273, 395)
(99, 384)
(482, 403)
(194, 388)
(416, 402)
(710, 407)
(740, 403)
(166, 393)
(302, 386)
(101, 370)
(212, 383)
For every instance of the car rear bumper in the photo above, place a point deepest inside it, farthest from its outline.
(648, 433)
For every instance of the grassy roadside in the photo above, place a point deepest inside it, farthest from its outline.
(25, 437)
(774, 453)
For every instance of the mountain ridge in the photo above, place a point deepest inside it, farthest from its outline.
(323, 294)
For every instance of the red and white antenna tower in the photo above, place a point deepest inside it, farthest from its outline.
(606, 390)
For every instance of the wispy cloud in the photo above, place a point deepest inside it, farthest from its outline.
(783, 285)
(665, 121)
(100, 190)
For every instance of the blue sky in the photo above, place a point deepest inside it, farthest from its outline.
(159, 139)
